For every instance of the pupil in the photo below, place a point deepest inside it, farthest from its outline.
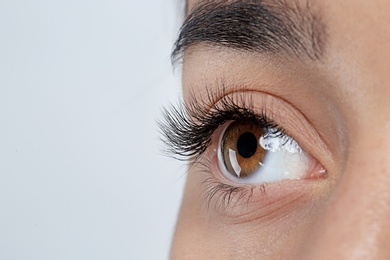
(247, 145)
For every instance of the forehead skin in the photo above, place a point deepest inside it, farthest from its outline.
(349, 106)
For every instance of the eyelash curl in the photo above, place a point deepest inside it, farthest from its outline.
(187, 132)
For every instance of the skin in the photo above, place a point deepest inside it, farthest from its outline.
(343, 103)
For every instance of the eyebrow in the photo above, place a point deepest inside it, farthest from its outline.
(254, 26)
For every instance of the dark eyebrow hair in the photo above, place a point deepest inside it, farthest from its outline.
(255, 26)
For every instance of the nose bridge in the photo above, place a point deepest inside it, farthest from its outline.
(356, 222)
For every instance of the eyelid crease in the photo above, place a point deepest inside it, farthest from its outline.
(213, 96)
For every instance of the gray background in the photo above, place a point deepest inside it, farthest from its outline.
(81, 171)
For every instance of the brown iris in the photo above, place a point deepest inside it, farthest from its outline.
(241, 151)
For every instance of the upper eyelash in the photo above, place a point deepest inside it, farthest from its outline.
(187, 129)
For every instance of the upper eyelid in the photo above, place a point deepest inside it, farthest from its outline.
(275, 88)
(289, 111)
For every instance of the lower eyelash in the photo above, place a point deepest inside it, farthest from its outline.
(225, 194)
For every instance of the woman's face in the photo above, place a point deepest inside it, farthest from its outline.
(317, 72)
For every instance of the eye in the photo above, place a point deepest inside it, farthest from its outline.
(250, 153)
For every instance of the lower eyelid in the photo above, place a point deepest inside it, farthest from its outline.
(262, 202)
(267, 204)
(268, 212)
